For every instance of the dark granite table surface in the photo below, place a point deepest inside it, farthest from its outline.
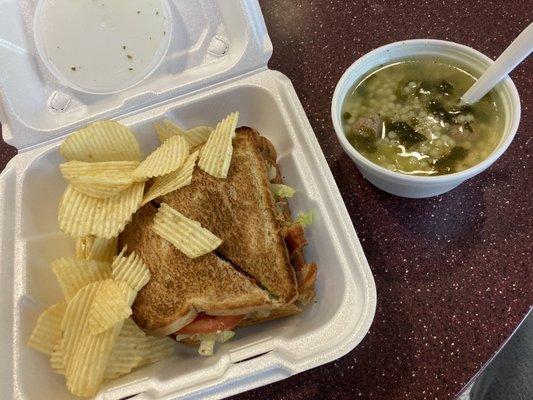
(454, 272)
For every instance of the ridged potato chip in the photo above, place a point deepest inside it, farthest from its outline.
(194, 136)
(131, 270)
(215, 155)
(99, 179)
(168, 157)
(167, 129)
(86, 354)
(198, 135)
(101, 141)
(82, 215)
(89, 363)
(108, 172)
(172, 181)
(56, 358)
(47, 331)
(98, 249)
(83, 247)
(99, 191)
(109, 307)
(72, 274)
(185, 234)
(131, 330)
(128, 351)
(103, 249)
(157, 349)
(74, 324)
(127, 292)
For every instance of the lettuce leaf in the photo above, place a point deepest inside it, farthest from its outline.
(281, 190)
(304, 218)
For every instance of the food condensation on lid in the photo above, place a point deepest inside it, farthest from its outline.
(102, 46)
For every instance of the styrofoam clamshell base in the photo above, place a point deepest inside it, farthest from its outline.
(331, 326)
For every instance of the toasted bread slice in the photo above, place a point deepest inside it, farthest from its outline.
(241, 211)
(181, 287)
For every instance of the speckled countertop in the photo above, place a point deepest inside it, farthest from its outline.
(453, 273)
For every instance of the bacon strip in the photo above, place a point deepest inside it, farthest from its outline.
(294, 238)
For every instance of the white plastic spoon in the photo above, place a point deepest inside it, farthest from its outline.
(519, 49)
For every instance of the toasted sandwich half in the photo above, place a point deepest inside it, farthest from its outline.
(181, 287)
(241, 211)
(257, 274)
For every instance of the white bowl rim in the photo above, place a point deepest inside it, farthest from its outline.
(507, 85)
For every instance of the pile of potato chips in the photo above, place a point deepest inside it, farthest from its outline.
(106, 177)
(90, 336)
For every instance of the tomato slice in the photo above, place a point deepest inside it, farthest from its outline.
(204, 323)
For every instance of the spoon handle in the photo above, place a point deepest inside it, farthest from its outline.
(519, 49)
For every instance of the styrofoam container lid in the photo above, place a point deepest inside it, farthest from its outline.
(221, 67)
(211, 41)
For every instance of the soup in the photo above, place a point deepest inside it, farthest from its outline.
(407, 117)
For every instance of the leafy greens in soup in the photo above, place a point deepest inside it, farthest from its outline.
(407, 117)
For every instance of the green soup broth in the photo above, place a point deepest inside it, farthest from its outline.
(408, 117)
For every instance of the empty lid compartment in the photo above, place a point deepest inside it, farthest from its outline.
(50, 85)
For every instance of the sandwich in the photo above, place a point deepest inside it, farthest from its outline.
(258, 273)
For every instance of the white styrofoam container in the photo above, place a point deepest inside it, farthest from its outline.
(206, 85)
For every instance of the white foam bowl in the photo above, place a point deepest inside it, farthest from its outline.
(423, 186)
(81, 43)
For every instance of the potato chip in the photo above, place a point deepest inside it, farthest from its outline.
(109, 307)
(109, 172)
(103, 249)
(56, 358)
(91, 248)
(47, 331)
(198, 135)
(194, 136)
(103, 181)
(72, 274)
(157, 349)
(98, 191)
(101, 141)
(185, 234)
(131, 270)
(131, 330)
(127, 292)
(86, 354)
(128, 351)
(172, 181)
(81, 215)
(168, 157)
(88, 365)
(166, 130)
(83, 247)
(74, 323)
(215, 155)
